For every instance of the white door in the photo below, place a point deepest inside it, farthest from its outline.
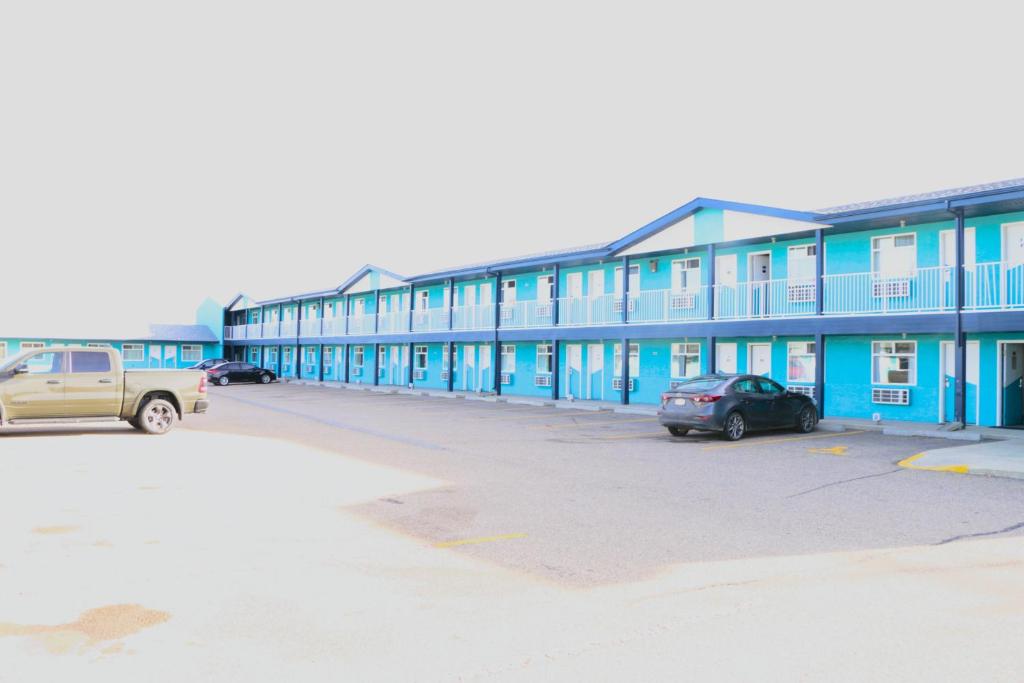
(574, 285)
(484, 381)
(574, 370)
(725, 357)
(485, 314)
(595, 283)
(760, 359)
(725, 269)
(396, 368)
(469, 367)
(468, 296)
(1013, 247)
(595, 371)
(759, 272)
(155, 355)
(171, 356)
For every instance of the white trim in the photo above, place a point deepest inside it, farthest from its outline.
(750, 358)
(186, 348)
(141, 348)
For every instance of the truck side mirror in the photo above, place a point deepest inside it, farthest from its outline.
(20, 370)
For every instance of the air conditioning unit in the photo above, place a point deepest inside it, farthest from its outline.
(884, 289)
(892, 397)
(357, 372)
(506, 378)
(685, 300)
(800, 293)
(617, 305)
(444, 375)
(419, 374)
(801, 389)
(508, 314)
(617, 384)
(542, 381)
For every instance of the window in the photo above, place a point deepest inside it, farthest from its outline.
(26, 346)
(422, 300)
(272, 357)
(191, 353)
(357, 357)
(382, 356)
(420, 356)
(508, 357)
(133, 353)
(685, 275)
(634, 360)
(508, 292)
(894, 362)
(3, 349)
(685, 360)
(545, 287)
(328, 356)
(800, 362)
(89, 361)
(245, 366)
(49, 363)
(894, 255)
(746, 386)
(544, 358)
(769, 387)
(287, 357)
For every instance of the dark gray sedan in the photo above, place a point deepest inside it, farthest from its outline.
(734, 405)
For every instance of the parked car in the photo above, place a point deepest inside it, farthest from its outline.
(226, 373)
(207, 364)
(734, 405)
(90, 384)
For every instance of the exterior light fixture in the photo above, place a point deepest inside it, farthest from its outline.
(653, 265)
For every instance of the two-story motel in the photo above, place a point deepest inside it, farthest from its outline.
(910, 308)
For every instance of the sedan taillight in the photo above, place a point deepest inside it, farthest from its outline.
(706, 398)
(202, 384)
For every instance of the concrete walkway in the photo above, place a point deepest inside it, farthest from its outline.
(992, 458)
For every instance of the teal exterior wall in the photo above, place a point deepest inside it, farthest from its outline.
(208, 350)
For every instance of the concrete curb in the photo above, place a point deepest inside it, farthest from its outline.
(590, 407)
(636, 410)
(536, 402)
(932, 434)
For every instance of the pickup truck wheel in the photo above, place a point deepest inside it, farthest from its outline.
(223, 381)
(156, 417)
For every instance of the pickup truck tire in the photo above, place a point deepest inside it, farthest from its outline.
(156, 416)
(223, 381)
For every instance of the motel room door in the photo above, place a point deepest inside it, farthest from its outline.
(725, 357)
(760, 359)
(396, 365)
(948, 382)
(595, 371)
(469, 377)
(574, 370)
(171, 356)
(484, 381)
(1012, 384)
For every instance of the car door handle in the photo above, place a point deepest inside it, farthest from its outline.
(106, 381)
(53, 381)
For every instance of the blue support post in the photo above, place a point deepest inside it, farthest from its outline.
(451, 351)
(712, 360)
(412, 362)
(280, 360)
(625, 289)
(376, 364)
(320, 363)
(819, 373)
(347, 361)
(711, 292)
(498, 298)
(819, 271)
(624, 394)
(960, 345)
(556, 364)
(298, 340)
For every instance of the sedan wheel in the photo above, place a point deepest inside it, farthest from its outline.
(805, 423)
(678, 431)
(735, 427)
(223, 381)
(265, 379)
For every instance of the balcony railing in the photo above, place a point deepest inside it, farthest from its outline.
(605, 309)
(987, 287)
(430, 320)
(921, 290)
(666, 305)
(764, 299)
(473, 317)
(994, 286)
(390, 323)
(527, 314)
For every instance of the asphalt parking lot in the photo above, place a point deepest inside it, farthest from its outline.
(596, 497)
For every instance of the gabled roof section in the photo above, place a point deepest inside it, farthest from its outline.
(927, 198)
(526, 261)
(701, 203)
(240, 302)
(369, 269)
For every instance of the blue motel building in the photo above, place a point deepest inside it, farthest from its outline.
(910, 308)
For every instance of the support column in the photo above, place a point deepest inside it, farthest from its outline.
(376, 364)
(711, 292)
(556, 365)
(451, 351)
(280, 360)
(320, 363)
(412, 361)
(819, 271)
(712, 355)
(347, 361)
(960, 344)
(498, 298)
(625, 289)
(624, 397)
(298, 338)
(819, 373)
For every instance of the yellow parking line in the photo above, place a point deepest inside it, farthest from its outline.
(741, 444)
(908, 463)
(474, 541)
(590, 424)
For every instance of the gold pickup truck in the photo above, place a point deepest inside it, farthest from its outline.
(89, 384)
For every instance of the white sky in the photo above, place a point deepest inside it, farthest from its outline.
(155, 153)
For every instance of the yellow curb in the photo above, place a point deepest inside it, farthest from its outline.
(472, 541)
(908, 463)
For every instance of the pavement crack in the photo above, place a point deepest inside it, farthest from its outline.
(845, 481)
(1012, 527)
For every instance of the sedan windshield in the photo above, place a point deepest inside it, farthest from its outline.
(700, 385)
